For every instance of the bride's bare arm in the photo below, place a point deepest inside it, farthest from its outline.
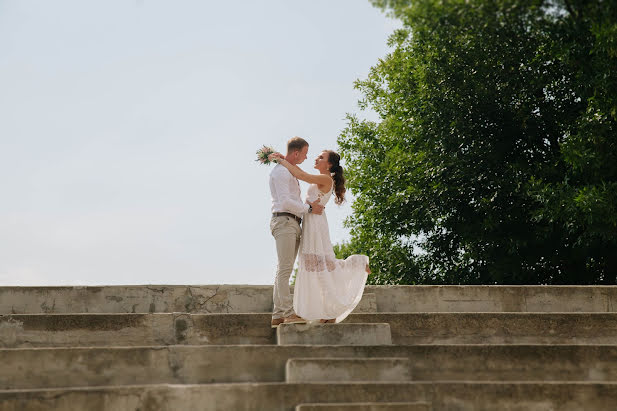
(319, 179)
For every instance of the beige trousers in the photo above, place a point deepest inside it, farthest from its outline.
(286, 232)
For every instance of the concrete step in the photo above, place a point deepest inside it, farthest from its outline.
(147, 299)
(366, 406)
(497, 328)
(29, 368)
(476, 396)
(62, 330)
(348, 369)
(136, 299)
(88, 330)
(258, 299)
(72, 330)
(334, 334)
(495, 298)
(368, 304)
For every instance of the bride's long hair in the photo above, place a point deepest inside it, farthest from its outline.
(337, 175)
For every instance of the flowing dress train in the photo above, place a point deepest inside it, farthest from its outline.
(326, 287)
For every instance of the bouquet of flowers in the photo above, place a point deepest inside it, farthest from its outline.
(263, 154)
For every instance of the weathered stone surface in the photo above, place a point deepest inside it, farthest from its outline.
(228, 329)
(487, 298)
(366, 406)
(169, 337)
(334, 334)
(137, 299)
(39, 330)
(81, 330)
(258, 298)
(497, 328)
(44, 367)
(63, 330)
(78, 367)
(146, 299)
(60, 367)
(463, 396)
(368, 304)
(348, 369)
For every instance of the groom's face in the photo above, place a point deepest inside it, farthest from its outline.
(301, 155)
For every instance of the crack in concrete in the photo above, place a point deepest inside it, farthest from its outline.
(226, 306)
(201, 305)
(248, 292)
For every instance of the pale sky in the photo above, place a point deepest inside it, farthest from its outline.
(128, 131)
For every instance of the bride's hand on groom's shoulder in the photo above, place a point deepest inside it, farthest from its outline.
(275, 156)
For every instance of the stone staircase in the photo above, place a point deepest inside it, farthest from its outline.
(404, 348)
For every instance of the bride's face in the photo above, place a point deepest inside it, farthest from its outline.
(321, 162)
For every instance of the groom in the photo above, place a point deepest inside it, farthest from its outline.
(287, 213)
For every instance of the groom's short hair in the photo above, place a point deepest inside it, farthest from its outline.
(296, 144)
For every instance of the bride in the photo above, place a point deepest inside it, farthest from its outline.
(327, 289)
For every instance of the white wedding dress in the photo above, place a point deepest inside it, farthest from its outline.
(326, 288)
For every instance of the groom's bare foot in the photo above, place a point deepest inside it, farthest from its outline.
(368, 269)
(294, 319)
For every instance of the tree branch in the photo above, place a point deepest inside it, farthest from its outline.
(570, 9)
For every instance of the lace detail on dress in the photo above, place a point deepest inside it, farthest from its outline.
(317, 263)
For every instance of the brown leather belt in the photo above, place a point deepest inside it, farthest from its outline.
(295, 217)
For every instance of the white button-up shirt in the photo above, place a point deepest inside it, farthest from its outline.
(285, 191)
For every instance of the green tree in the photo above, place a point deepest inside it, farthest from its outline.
(494, 159)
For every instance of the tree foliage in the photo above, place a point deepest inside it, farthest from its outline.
(494, 157)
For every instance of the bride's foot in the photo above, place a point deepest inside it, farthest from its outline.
(368, 269)
(330, 321)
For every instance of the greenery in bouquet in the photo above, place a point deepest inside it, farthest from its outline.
(263, 155)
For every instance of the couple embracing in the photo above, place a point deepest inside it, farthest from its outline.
(327, 289)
